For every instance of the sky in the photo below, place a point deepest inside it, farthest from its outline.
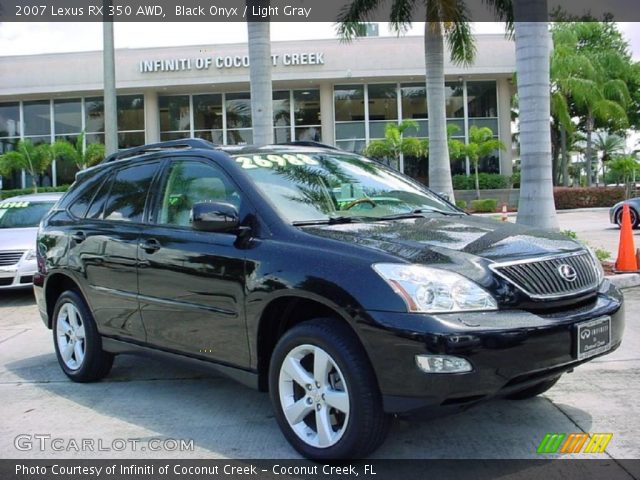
(35, 38)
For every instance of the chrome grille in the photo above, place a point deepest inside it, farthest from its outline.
(541, 278)
(10, 257)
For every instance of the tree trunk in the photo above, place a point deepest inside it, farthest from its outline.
(475, 168)
(260, 77)
(555, 155)
(439, 165)
(110, 102)
(589, 150)
(536, 207)
(565, 156)
(34, 182)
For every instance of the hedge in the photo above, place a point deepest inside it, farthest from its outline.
(587, 197)
(486, 205)
(488, 181)
(27, 191)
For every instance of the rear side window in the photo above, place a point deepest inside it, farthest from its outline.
(128, 193)
(97, 205)
(81, 203)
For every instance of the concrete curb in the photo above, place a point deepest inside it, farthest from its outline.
(625, 280)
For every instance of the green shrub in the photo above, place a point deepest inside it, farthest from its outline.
(488, 181)
(515, 180)
(461, 204)
(570, 233)
(486, 205)
(26, 191)
(587, 197)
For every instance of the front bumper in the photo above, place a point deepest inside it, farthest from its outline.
(509, 350)
(19, 275)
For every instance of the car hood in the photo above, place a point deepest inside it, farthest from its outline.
(18, 238)
(462, 242)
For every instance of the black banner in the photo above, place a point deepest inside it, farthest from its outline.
(559, 469)
(275, 10)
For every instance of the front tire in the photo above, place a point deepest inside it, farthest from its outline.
(635, 221)
(77, 341)
(324, 392)
(534, 391)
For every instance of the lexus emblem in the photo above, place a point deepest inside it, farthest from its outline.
(567, 272)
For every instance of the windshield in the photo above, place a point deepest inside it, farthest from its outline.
(23, 214)
(322, 186)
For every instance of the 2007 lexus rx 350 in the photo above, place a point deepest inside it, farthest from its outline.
(344, 288)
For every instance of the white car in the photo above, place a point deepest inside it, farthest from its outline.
(19, 219)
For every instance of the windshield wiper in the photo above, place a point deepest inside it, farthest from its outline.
(417, 213)
(329, 221)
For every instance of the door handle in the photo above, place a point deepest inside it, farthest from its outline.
(78, 237)
(150, 246)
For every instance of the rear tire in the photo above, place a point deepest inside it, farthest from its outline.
(320, 376)
(77, 341)
(534, 391)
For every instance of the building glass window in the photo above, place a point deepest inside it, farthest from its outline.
(37, 118)
(414, 107)
(306, 115)
(207, 117)
(67, 116)
(383, 108)
(175, 116)
(94, 115)
(130, 121)
(454, 99)
(9, 119)
(238, 111)
(282, 116)
(349, 117)
(482, 99)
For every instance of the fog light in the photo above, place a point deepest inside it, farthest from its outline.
(442, 364)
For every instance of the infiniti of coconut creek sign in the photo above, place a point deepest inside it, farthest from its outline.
(228, 61)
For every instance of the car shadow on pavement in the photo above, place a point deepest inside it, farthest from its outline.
(19, 297)
(148, 398)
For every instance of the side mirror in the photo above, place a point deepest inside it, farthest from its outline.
(214, 217)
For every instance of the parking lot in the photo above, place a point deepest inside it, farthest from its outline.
(145, 399)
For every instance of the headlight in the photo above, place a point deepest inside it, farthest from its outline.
(432, 290)
(31, 255)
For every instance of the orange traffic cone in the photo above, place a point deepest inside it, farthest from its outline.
(626, 261)
(504, 217)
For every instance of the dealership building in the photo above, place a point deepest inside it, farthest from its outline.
(337, 93)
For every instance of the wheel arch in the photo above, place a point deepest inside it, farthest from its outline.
(284, 312)
(56, 284)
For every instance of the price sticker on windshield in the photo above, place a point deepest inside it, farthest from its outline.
(7, 205)
(275, 161)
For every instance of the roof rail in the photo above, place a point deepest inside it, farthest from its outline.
(156, 147)
(309, 143)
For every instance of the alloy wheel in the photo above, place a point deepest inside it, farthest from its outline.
(70, 335)
(314, 396)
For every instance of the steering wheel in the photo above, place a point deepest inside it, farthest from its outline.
(350, 205)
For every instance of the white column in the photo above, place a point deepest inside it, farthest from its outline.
(505, 92)
(151, 117)
(327, 118)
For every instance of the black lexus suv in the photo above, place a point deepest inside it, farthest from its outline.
(344, 288)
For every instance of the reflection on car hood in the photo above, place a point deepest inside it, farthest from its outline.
(18, 238)
(452, 239)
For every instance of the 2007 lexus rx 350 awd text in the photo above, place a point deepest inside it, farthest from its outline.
(345, 289)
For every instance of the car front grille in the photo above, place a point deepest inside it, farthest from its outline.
(10, 257)
(542, 278)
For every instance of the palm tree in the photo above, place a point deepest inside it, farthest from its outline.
(445, 20)
(609, 145)
(395, 144)
(260, 76)
(26, 156)
(481, 144)
(82, 156)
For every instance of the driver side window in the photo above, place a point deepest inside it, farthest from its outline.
(191, 182)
